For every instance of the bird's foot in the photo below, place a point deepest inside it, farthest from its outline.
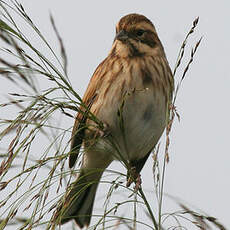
(101, 131)
(135, 177)
(138, 182)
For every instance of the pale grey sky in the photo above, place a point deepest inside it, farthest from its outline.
(199, 166)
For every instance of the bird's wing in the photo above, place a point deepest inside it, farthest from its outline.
(79, 127)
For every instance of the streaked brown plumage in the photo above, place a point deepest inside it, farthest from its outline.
(130, 93)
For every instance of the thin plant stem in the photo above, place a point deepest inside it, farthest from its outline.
(148, 207)
(161, 193)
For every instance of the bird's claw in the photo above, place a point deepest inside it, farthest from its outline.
(133, 176)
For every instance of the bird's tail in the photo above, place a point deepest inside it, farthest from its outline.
(78, 203)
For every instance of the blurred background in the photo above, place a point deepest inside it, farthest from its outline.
(199, 167)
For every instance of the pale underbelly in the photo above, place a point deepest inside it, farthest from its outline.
(134, 129)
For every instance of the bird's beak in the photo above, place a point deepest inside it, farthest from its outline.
(122, 36)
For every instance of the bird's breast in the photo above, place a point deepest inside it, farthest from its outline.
(133, 109)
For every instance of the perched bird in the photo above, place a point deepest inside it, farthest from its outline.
(124, 113)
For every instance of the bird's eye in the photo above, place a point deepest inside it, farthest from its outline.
(140, 33)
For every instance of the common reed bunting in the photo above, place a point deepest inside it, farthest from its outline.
(124, 113)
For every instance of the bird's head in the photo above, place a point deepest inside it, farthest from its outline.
(136, 36)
